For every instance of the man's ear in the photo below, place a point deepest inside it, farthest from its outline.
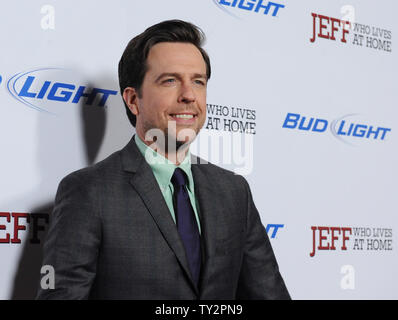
(130, 96)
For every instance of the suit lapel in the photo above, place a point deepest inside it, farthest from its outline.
(209, 210)
(144, 182)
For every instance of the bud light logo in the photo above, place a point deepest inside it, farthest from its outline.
(263, 7)
(47, 88)
(346, 128)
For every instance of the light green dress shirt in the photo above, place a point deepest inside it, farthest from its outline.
(163, 170)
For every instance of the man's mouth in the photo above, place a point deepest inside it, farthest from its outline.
(183, 118)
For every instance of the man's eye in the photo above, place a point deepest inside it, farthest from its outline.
(201, 82)
(170, 80)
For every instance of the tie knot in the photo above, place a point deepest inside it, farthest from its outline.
(179, 178)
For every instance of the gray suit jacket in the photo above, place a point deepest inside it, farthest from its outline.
(111, 236)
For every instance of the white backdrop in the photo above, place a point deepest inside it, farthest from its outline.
(319, 180)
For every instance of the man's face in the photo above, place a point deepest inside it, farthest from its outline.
(173, 93)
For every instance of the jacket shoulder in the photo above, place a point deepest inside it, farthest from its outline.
(97, 171)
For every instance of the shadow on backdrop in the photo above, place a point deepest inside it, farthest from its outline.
(58, 154)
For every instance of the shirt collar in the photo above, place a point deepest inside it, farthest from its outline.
(163, 168)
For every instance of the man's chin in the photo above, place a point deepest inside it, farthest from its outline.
(174, 144)
(184, 135)
(172, 139)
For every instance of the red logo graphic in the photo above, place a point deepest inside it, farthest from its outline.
(17, 225)
(327, 238)
(329, 27)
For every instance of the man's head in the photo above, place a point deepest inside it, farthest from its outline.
(163, 77)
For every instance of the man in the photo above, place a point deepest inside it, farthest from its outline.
(151, 221)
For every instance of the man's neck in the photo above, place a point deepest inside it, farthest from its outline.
(173, 154)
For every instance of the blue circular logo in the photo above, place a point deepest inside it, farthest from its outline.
(0, 79)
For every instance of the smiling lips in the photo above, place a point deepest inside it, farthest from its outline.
(184, 118)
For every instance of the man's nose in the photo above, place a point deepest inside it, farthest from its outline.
(187, 94)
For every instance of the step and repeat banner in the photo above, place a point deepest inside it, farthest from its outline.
(302, 102)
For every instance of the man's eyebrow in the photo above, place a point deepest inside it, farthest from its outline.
(177, 75)
(200, 75)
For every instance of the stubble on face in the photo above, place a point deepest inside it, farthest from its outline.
(173, 85)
